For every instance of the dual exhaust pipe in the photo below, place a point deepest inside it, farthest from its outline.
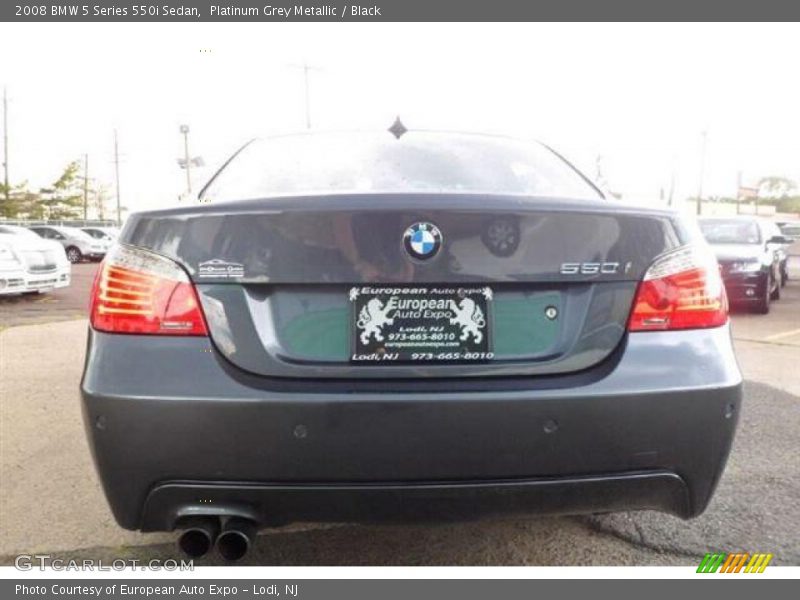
(232, 540)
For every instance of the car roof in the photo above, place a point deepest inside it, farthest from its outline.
(731, 218)
(736, 218)
(61, 228)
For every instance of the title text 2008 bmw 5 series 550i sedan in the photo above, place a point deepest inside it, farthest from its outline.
(406, 325)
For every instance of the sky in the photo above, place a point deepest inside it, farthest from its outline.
(640, 96)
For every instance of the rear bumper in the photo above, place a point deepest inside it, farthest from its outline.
(386, 502)
(175, 431)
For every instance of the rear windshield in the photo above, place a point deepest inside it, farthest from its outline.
(379, 163)
(730, 231)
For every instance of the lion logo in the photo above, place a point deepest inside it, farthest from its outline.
(373, 316)
(469, 317)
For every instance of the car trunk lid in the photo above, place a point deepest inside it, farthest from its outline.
(277, 277)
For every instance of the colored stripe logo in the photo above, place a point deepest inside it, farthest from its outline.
(739, 562)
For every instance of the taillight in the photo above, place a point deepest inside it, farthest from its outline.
(136, 291)
(682, 289)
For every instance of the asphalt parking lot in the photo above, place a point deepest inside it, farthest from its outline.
(51, 501)
(63, 304)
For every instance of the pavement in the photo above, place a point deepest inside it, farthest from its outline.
(61, 304)
(52, 503)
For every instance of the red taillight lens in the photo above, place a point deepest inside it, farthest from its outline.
(136, 291)
(681, 290)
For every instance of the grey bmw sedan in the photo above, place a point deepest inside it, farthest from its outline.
(398, 326)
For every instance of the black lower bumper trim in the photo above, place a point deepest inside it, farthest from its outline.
(275, 504)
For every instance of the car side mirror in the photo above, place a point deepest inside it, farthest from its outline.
(779, 239)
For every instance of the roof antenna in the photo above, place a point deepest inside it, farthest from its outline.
(398, 129)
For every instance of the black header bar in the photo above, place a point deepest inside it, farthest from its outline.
(397, 10)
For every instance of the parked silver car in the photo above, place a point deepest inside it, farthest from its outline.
(791, 229)
(29, 264)
(77, 244)
(106, 234)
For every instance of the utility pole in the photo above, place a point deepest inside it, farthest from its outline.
(738, 190)
(85, 187)
(5, 145)
(116, 172)
(671, 195)
(308, 103)
(702, 173)
(185, 131)
(598, 175)
(306, 69)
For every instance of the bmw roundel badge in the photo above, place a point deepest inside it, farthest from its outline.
(422, 240)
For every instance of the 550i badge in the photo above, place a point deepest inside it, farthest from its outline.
(590, 268)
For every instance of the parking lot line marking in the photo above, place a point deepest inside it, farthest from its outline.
(783, 334)
(756, 341)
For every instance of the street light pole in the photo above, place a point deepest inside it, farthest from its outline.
(306, 69)
(185, 131)
(5, 144)
(308, 105)
(702, 174)
(671, 194)
(116, 172)
(85, 187)
(187, 161)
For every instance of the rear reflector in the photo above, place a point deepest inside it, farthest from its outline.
(136, 291)
(681, 290)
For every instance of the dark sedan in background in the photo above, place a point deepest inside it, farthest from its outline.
(404, 325)
(752, 256)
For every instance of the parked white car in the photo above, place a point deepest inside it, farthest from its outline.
(107, 234)
(30, 264)
(78, 244)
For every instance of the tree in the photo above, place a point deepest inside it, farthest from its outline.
(775, 187)
(64, 199)
(99, 201)
(21, 202)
